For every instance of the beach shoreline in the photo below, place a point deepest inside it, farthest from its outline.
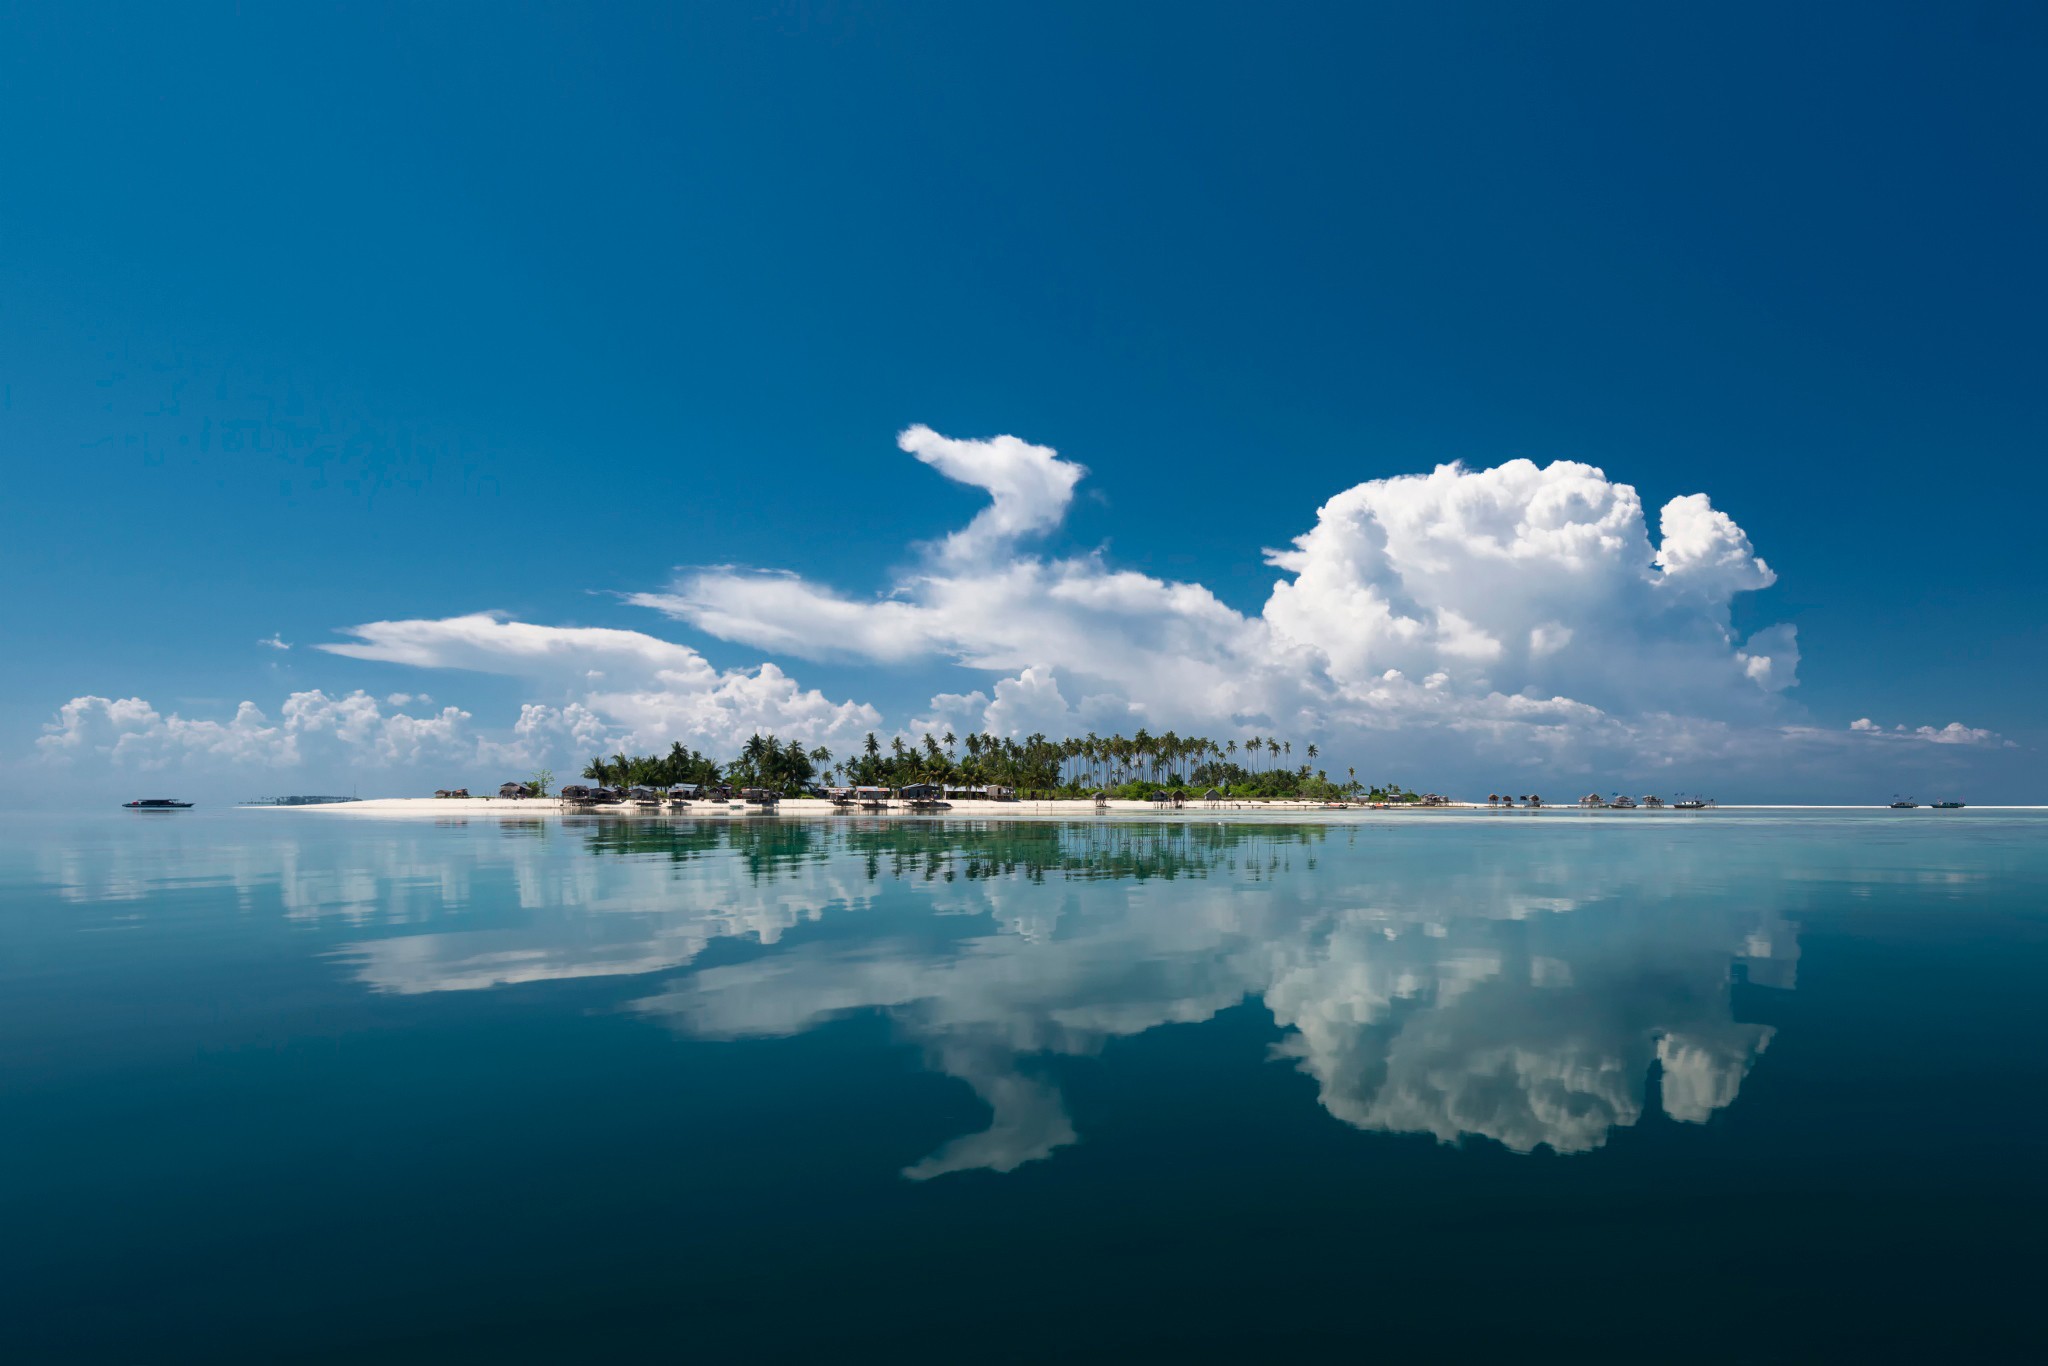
(1063, 809)
(1069, 809)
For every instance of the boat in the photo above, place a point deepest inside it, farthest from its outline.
(156, 804)
(1692, 804)
(1903, 805)
(1947, 806)
(1623, 803)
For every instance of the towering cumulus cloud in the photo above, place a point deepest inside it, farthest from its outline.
(1526, 582)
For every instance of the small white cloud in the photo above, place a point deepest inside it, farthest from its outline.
(1954, 733)
(276, 641)
(1029, 486)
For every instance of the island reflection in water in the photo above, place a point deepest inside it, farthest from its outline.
(1536, 992)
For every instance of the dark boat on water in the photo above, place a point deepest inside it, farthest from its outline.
(1947, 806)
(156, 804)
(1902, 804)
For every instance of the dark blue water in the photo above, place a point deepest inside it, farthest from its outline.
(305, 1086)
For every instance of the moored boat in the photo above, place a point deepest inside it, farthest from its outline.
(1947, 806)
(1902, 804)
(156, 804)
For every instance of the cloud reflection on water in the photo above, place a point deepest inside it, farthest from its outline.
(1456, 984)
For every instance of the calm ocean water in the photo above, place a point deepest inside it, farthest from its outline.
(305, 1086)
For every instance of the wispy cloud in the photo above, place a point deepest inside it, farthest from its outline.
(1954, 733)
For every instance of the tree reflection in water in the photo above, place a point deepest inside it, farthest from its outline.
(769, 846)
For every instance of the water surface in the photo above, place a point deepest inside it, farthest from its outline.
(300, 1085)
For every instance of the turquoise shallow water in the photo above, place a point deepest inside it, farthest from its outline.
(309, 1086)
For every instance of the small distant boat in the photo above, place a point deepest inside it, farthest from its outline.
(1623, 803)
(1947, 806)
(1692, 804)
(1904, 805)
(156, 804)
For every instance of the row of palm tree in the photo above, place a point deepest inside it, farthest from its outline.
(1035, 764)
(1116, 759)
(1029, 765)
(679, 765)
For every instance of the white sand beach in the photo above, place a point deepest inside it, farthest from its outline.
(1080, 809)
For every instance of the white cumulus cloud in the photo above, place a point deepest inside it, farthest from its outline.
(129, 732)
(1522, 608)
(1465, 621)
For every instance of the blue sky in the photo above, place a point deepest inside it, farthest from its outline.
(316, 319)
